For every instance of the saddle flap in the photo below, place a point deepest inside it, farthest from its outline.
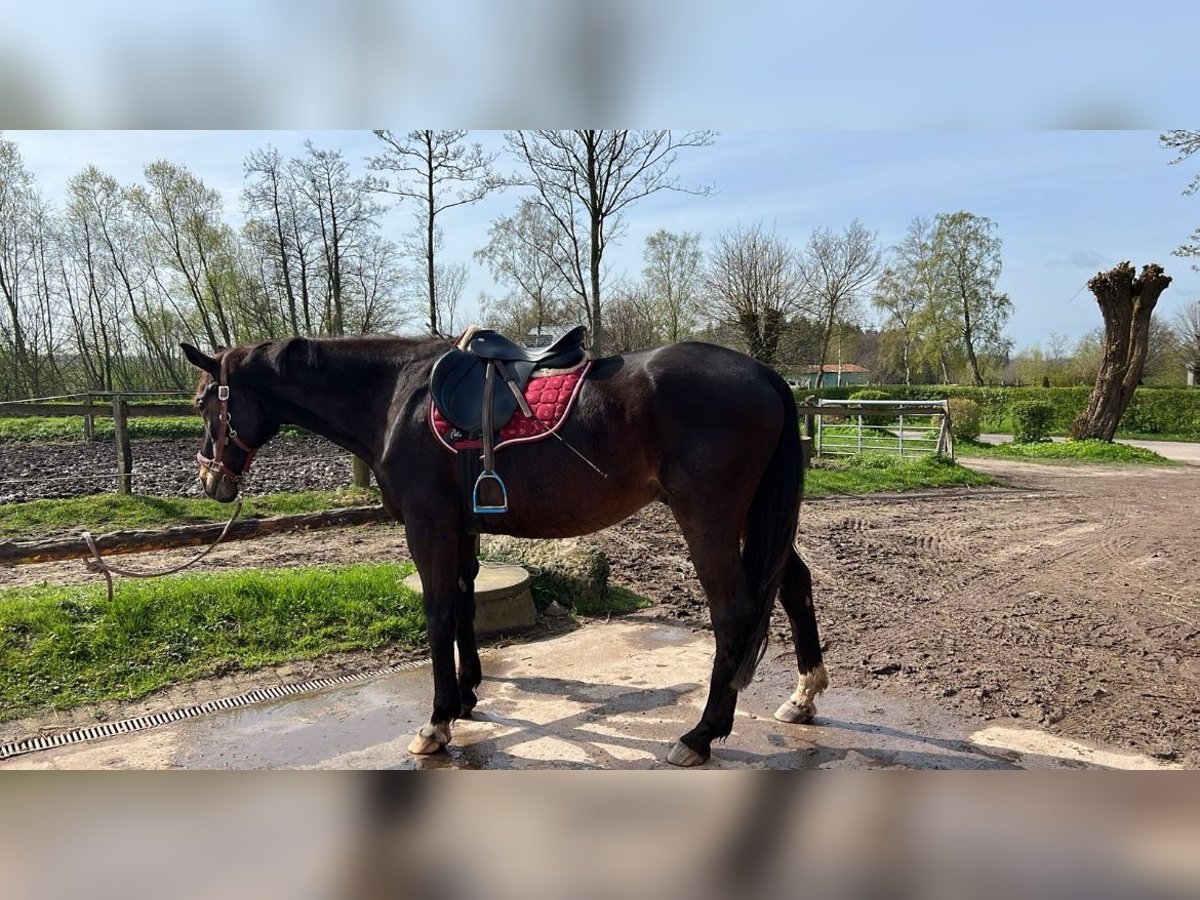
(456, 384)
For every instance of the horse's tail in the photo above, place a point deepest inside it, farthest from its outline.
(771, 531)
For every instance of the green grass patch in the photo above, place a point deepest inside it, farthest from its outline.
(67, 429)
(875, 472)
(61, 646)
(114, 512)
(1065, 451)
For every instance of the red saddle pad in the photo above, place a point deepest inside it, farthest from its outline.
(550, 398)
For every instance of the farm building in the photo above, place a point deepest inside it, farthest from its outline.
(832, 375)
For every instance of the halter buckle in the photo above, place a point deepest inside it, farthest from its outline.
(222, 392)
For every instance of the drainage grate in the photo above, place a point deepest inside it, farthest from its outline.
(142, 723)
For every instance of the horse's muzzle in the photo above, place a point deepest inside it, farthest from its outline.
(216, 486)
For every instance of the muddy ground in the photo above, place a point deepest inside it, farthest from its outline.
(1071, 603)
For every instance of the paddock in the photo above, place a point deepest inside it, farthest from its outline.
(1051, 623)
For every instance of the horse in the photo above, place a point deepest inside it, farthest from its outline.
(706, 430)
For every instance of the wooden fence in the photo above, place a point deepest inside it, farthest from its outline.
(121, 410)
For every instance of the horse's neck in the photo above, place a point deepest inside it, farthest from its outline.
(344, 399)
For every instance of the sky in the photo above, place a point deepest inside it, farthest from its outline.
(1066, 203)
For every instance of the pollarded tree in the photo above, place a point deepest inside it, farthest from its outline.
(754, 284)
(1127, 302)
(966, 252)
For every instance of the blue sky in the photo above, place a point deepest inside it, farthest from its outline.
(1067, 203)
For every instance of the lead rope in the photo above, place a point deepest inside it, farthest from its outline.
(100, 567)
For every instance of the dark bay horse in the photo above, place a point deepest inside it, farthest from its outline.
(710, 432)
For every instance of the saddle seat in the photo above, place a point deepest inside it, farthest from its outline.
(459, 379)
(488, 344)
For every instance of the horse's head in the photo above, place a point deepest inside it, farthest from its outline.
(236, 422)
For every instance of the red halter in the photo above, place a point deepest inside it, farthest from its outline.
(225, 433)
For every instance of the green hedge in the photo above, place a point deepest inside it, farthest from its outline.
(1152, 410)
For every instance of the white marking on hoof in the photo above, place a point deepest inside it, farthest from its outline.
(430, 739)
(684, 756)
(796, 713)
(801, 707)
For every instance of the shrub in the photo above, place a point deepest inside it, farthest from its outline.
(965, 419)
(1032, 421)
(872, 394)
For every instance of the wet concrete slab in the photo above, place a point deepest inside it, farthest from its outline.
(611, 696)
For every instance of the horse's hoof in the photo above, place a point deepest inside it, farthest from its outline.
(466, 711)
(684, 756)
(796, 713)
(430, 739)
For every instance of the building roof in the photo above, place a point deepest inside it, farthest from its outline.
(834, 368)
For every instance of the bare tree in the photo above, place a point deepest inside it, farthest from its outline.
(585, 180)
(451, 280)
(633, 317)
(672, 275)
(838, 271)
(521, 254)
(439, 170)
(272, 223)
(1127, 302)
(344, 214)
(1185, 143)
(1186, 324)
(754, 284)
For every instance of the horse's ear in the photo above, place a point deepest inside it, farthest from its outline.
(201, 360)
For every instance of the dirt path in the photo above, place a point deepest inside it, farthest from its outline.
(1073, 605)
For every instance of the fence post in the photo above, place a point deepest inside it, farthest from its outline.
(362, 473)
(124, 450)
(901, 435)
(89, 422)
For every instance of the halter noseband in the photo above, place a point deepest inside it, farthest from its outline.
(225, 433)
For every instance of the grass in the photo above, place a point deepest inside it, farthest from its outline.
(1189, 438)
(876, 472)
(66, 645)
(66, 429)
(61, 646)
(1065, 451)
(69, 429)
(112, 512)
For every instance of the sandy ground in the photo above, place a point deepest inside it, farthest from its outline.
(1070, 605)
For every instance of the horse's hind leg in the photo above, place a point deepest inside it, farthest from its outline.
(797, 600)
(716, 555)
(470, 672)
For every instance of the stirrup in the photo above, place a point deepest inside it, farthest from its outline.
(503, 505)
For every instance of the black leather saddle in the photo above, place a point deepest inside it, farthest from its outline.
(463, 384)
(459, 377)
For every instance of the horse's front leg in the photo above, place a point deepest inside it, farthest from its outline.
(470, 672)
(435, 551)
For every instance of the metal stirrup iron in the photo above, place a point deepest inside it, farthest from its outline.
(489, 457)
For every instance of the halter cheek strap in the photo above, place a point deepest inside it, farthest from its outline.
(226, 433)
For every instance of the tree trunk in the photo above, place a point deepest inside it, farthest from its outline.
(1127, 303)
(430, 234)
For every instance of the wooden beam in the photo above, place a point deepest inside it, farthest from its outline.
(20, 552)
